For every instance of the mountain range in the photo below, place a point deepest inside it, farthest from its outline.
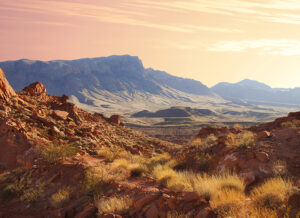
(122, 85)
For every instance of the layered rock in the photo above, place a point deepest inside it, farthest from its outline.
(6, 91)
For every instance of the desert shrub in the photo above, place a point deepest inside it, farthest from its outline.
(61, 197)
(245, 139)
(202, 158)
(217, 187)
(95, 182)
(262, 213)
(175, 214)
(290, 124)
(53, 153)
(135, 169)
(280, 168)
(272, 193)
(209, 187)
(237, 126)
(203, 144)
(175, 181)
(25, 189)
(114, 205)
(111, 153)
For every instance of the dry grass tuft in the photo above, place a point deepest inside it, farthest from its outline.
(114, 205)
(272, 193)
(203, 144)
(244, 139)
(53, 153)
(61, 197)
(280, 168)
(95, 182)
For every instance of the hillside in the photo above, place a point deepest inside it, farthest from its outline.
(60, 161)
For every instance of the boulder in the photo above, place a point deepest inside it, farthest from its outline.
(116, 119)
(35, 89)
(263, 135)
(262, 156)
(145, 200)
(191, 196)
(6, 91)
(152, 212)
(61, 115)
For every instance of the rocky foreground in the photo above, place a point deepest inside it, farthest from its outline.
(59, 161)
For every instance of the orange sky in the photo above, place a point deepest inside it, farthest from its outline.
(207, 40)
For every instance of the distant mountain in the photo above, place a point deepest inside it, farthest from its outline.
(110, 83)
(256, 92)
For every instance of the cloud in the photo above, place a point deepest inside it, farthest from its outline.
(268, 11)
(123, 13)
(262, 47)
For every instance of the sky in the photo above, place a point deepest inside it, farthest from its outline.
(208, 40)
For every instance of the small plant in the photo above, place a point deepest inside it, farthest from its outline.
(272, 193)
(61, 197)
(290, 124)
(136, 169)
(111, 153)
(53, 153)
(245, 139)
(280, 168)
(114, 205)
(203, 144)
(25, 189)
(95, 182)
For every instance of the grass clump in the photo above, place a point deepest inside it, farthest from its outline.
(111, 153)
(203, 144)
(136, 168)
(95, 182)
(168, 177)
(244, 139)
(280, 168)
(114, 205)
(290, 124)
(22, 186)
(53, 153)
(61, 197)
(272, 194)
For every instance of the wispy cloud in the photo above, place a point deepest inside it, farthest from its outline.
(124, 13)
(268, 11)
(262, 47)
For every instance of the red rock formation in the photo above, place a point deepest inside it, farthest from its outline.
(35, 89)
(116, 119)
(6, 91)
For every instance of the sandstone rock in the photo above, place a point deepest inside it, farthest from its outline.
(263, 135)
(145, 200)
(88, 211)
(6, 91)
(206, 213)
(294, 114)
(250, 155)
(116, 119)
(58, 114)
(172, 203)
(35, 89)
(262, 156)
(191, 196)
(152, 212)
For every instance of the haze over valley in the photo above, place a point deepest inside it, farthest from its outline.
(151, 98)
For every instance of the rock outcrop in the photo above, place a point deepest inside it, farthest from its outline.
(6, 91)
